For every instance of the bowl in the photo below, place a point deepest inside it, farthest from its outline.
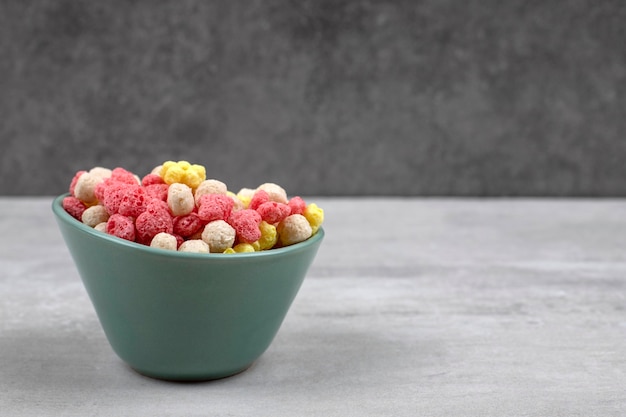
(185, 316)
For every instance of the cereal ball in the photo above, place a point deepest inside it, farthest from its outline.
(237, 203)
(183, 172)
(74, 207)
(180, 199)
(219, 235)
(101, 227)
(243, 248)
(187, 225)
(95, 215)
(294, 229)
(121, 226)
(273, 212)
(246, 224)
(85, 188)
(245, 195)
(209, 187)
(268, 238)
(154, 220)
(164, 241)
(195, 246)
(122, 175)
(101, 172)
(297, 205)
(275, 191)
(74, 180)
(215, 207)
(158, 191)
(258, 198)
(151, 179)
(134, 201)
(315, 216)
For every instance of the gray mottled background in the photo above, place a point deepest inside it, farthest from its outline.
(328, 97)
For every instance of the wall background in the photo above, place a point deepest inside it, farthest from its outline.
(327, 97)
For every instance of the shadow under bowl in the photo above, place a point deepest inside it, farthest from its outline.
(185, 316)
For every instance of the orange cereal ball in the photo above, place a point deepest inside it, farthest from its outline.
(219, 235)
(294, 229)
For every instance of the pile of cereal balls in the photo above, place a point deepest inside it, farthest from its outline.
(175, 207)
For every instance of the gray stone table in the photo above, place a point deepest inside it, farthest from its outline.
(431, 307)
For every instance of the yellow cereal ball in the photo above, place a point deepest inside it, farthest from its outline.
(229, 251)
(183, 172)
(294, 229)
(269, 237)
(315, 216)
(245, 195)
(243, 247)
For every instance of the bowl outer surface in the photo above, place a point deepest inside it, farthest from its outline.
(185, 316)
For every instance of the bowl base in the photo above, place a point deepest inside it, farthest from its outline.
(187, 377)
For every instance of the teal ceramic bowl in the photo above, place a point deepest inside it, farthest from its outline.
(185, 316)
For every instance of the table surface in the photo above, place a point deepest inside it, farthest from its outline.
(433, 307)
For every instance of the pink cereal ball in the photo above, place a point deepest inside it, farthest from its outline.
(134, 201)
(113, 195)
(158, 191)
(297, 204)
(121, 226)
(187, 225)
(246, 224)
(258, 198)
(152, 179)
(122, 175)
(151, 222)
(215, 207)
(75, 180)
(74, 207)
(273, 212)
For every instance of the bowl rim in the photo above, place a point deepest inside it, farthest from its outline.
(66, 218)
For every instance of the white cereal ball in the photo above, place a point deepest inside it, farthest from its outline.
(180, 199)
(95, 215)
(157, 170)
(294, 229)
(164, 240)
(195, 246)
(219, 235)
(275, 192)
(210, 187)
(85, 188)
(246, 193)
(101, 227)
(101, 172)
